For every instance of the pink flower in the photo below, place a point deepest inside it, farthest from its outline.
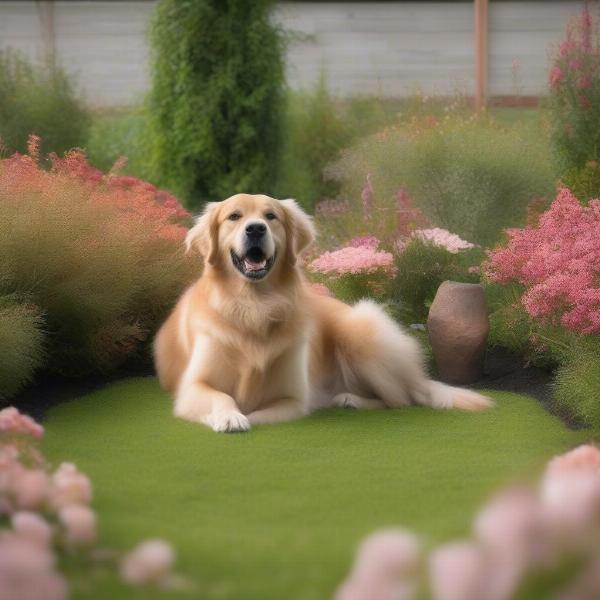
(351, 260)
(585, 457)
(27, 571)
(442, 238)
(571, 505)
(558, 262)
(574, 64)
(32, 527)
(12, 421)
(457, 571)
(385, 568)
(30, 488)
(512, 534)
(556, 76)
(79, 523)
(70, 486)
(584, 82)
(150, 562)
(389, 552)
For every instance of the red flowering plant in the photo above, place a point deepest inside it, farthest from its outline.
(548, 281)
(574, 81)
(99, 255)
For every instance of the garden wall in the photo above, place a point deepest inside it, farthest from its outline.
(364, 47)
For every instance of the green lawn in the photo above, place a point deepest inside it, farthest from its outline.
(277, 512)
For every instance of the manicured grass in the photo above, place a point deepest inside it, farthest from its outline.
(277, 512)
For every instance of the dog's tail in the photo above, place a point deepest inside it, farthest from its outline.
(390, 365)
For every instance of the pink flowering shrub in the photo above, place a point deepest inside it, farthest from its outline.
(521, 539)
(355, 271)
(574, 82)
(97, 259)
(557, 263)
(46, 521)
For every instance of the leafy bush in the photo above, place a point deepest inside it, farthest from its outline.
(558, 263)
(421, 267)
(584, 182)
(99, 254)
(216, 99)
(115, 134)
(40, 100)
(575, 94)
(21, 344)
(314, 132)
(577, 382)
(469, 176)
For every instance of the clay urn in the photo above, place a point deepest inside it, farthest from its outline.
(458, 328)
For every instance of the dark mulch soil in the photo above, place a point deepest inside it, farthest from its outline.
(50, 390)
(507, 372)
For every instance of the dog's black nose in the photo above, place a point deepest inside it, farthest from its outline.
(256, 229)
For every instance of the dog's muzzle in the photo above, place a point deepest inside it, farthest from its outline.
(254, 264)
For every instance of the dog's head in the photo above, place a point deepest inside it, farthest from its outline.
(251, 235)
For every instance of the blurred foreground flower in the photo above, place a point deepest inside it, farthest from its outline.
(49, 517)
(522, 535)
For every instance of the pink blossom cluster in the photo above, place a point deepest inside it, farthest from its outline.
(49, 515)
(141, 205)
(521, 532)
(12, 421)
(558, 263)
(353, 260)
(442, 238)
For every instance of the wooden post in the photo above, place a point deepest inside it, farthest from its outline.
(481, 53)
(46, 16)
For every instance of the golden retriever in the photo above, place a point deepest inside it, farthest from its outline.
(250, 342)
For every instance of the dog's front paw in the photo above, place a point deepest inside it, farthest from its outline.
(227, 421)
(345, 400)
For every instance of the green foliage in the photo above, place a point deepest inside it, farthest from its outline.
(116, 134)
(540, 344)
(40, 100)
(469, 176)
(216, 100)
(21, 344)
(584, 182)
(315, 131)
(421, 269)
(577, 382)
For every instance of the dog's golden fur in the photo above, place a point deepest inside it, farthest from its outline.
(237, 351)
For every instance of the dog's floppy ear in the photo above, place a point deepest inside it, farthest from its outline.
(300, 230)
(204, 235)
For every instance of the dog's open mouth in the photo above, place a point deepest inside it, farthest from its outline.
(254, 264)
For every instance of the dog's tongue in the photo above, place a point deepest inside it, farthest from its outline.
(251, 265)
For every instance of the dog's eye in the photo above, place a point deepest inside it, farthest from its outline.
(270, 216)
(234, 216)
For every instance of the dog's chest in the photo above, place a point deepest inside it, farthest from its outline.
(250, 379)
